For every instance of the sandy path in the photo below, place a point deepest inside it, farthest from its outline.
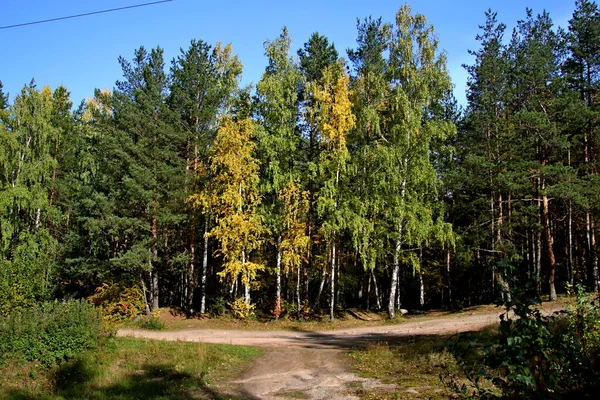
(311, 365)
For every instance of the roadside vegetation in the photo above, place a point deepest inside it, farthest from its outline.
(527, 355)
(125, 368)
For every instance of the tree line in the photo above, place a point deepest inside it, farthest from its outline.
(332, 183)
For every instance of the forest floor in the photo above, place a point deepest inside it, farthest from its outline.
(314, 364)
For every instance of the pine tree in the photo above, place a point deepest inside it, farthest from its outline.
(485, 153)
(149, 167)
(536, 104)
(203, 80)
(582, 69)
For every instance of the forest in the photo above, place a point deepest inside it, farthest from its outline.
(339, 180)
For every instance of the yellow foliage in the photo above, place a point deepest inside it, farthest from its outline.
(234, 198)
(294, 241)
(117, 302)
(334, 107)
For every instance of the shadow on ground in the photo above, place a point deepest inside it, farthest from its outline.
(75, 380)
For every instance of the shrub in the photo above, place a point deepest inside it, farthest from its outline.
(49, 332)
(242, 308)
(219, 307)
(584, 326)
(117, 302)
(151, 324)
(536, 356)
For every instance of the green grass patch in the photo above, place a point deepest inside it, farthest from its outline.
(127, 368)
(416, 364)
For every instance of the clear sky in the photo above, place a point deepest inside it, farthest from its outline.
(82, 53)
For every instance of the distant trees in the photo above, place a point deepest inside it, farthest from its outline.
(358, 184)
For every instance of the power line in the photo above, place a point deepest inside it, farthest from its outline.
(85, 14)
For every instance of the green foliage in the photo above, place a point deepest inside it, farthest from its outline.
(290, 310)
(534, 355)
(117, 302)
(151, 323)
(584, 327)
(218, 307)
(50, 332)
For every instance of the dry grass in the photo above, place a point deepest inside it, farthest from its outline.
(174, 320)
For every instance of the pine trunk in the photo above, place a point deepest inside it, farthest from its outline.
(549, 243)
(154, 272)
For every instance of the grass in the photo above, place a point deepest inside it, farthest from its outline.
(418, 365)
(126, 368)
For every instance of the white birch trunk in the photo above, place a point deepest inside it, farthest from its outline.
(278, 299)
(377, 295)
(204, 268)
(332, 300)
(247, 284)
(421, 290)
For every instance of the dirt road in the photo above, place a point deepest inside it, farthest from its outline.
(310, 365)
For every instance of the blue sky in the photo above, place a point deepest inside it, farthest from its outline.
(82, 53)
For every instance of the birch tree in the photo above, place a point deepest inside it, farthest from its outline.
(332, 111)
(235, 198)
(418, 79)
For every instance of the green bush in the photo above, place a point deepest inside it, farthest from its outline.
(151, 324)
(536, 356)
(50, 332)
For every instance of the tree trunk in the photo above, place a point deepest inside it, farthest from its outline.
(298, 286)
(332, 300)
(595, 259)
(278, 294)
(247, 284)
(153, 271)
(549, 243)
(394, 279)
(204, 267)
(368, 292)
(538, 263)
(322, 285)
(377, 296)
(190, 272)
(421, 290)
(449, 278)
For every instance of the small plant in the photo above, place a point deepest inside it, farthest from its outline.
(219, 307)
(242, 308)
(278, 308)
(151, 324)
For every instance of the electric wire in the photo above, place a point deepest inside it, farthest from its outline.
(85, 14)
